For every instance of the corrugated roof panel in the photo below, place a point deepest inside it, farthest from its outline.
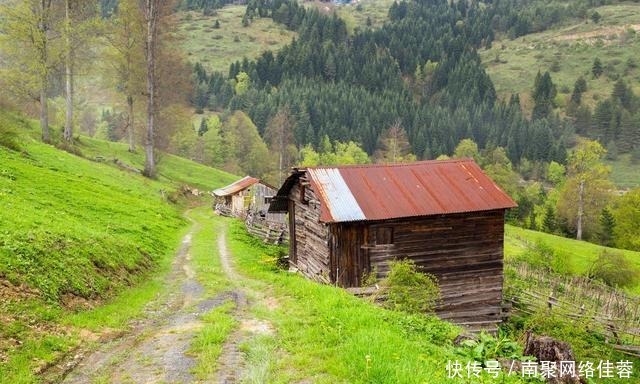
(236, 187)
(379, 192)
(340, 204)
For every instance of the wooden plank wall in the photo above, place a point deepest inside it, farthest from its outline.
(349, 259)
(465, 253)
(311, 236)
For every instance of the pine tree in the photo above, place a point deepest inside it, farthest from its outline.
(549, 222)
(596, 68)
(579, 88)
(544, 93)
(622, 93)
(532, 221)
(607, 225)
(203, 127)
(602, 117)
(627, 127)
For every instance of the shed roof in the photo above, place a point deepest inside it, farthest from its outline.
(236, 187)
(381, 192)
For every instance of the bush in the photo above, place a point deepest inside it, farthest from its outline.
(488, 347)
(410, 290)
(8, 135)
(614, 269)
(541, 255)
(369, 279)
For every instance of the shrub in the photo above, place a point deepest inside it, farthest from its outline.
(8, 135)
(369, 279)
(488, 347)
(541, 255)
(410, 290)
(614, 269)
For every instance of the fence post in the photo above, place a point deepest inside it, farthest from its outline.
(551, 301)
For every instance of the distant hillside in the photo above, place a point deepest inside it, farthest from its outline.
(568, 52)
(216, 46)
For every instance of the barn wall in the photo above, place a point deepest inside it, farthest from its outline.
(310, 250)
(349, 259)
(464, 251)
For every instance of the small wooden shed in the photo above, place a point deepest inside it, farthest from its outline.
(447, 216)
(247, 195)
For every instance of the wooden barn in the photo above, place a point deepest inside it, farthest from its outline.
(247, 195)
(447, 216)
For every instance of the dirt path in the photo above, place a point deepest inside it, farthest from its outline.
(232, 364)
(155, 351)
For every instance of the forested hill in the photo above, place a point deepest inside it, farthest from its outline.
(420, 70)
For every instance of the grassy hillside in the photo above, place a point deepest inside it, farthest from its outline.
(74, 233)
(513, 64)
(355, 14)
(172, 169)
(624, 173)
(568, 52)
(579, 255)
(216, 49)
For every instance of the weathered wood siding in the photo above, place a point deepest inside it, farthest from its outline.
(309, 237)
(349, 258)
(465, 253)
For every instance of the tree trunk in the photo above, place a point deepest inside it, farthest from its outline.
(68, 123)
(151, 13)
(580, 210)
(44, 80)
(130, 122)
(44, 114)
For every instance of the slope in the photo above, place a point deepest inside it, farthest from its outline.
(579, 255)
(75, 233)
(217, 47)
(568, 52)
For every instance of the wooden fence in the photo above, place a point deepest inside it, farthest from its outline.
(611, 311)
(271, 232)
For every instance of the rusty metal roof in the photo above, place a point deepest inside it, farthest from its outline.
(236, 187)
(381, 192)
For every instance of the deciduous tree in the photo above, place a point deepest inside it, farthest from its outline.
(80, 26)
(393, 146)
(279, 138)
(626, 212)
(28, 41)
(125, 54)
(586, 190)
(151, 11)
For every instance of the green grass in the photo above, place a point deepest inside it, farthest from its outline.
(219, 322)
(76, 234)
(172, 169)
(325, 335)
(580, 255)
(624, 174)
(216, 49)
(207, 345)
(574, 47)
(355, 15)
